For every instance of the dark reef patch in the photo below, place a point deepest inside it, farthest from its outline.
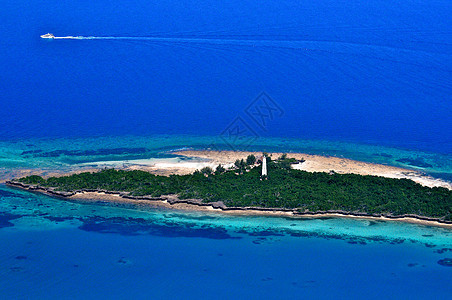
(16, 269)
(5, 193)
(383, 155)
(267, 279)
(415, 162)
(297, 220)
(5, 219)
(396, 241)
(138, 226)
(259, 241)
(445, 262)
(441, 175)
(321, 218)
(355, 240)
(21, 257)
(32, 152)
(265, 233)
(58, 219)
(373, 223)
(113, 151)
(443, 250)
(124, 261)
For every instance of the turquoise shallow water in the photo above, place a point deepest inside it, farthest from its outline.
(53, 248)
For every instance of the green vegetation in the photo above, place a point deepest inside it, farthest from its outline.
(285, 188)
(220, 169)
(251, 160)
(240, 165)
(206, 170)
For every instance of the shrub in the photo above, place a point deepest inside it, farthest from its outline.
(251, 160)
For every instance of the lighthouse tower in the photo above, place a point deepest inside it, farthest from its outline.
(264, 167)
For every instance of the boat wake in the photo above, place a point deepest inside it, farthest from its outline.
(273, 43)
(215, 41)
(373, 51)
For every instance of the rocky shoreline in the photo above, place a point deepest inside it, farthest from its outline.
(197, 204)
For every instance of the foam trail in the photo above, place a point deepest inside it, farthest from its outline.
(295, 44)
(69, 37)
(291, 44)
(239, 42)
(396, 54)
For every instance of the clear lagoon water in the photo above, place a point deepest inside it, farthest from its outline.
(363, 80)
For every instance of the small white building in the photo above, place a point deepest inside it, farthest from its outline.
(264, 167)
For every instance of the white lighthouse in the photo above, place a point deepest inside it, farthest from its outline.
(264, 167)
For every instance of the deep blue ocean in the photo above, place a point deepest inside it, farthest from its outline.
(366, 80)
(376, 72)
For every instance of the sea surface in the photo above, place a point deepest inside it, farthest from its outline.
(370, 81)
(59, 249)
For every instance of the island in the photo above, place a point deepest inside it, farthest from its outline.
(241, 188)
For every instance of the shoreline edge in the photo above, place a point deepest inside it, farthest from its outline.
(173, 202)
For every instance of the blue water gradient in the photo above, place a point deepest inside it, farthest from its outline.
(60, 249)
(375, 72)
